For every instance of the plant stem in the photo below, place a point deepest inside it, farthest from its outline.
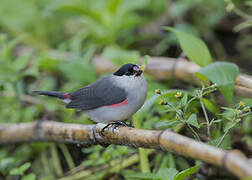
(56, 160)
(67, 156)
(222, 138)
(144, 161)
(207, 119)
(224, 135)
(46, 166)
(194, 132)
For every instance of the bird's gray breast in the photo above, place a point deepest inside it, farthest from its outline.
(136, 90)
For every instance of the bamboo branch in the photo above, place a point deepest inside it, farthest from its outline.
(233, 161)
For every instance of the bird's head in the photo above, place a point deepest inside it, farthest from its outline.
(129, 70)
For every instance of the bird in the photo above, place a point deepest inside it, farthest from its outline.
(110, 100)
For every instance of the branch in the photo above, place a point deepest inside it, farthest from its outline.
(233, 161)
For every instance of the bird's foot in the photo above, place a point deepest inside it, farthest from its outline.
(121, 123)
(115, 125)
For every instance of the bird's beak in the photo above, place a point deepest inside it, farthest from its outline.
(138, 71)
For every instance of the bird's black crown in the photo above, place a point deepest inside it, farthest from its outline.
(126, 69)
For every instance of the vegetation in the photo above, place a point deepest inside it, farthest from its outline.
(49, 45)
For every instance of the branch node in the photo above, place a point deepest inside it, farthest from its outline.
(159, 139)
(96, 136)
(225, 159)
(37, 130)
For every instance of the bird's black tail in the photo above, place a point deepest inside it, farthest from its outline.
(61, 95)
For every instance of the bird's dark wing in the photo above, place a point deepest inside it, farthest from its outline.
(100, 93)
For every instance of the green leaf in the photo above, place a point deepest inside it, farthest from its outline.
(20, 170)
(7, 50)
(167, 173)
(147, 175)
(31, 176)
(184, 99)
(211, 106)
(194, 47)
(224, 75)
(226, 143)
(192, 120)
(187, 172)
(171, 161)
(6, 163)
(49, 64)
(20, 63)
(229, 126)
(182, 163)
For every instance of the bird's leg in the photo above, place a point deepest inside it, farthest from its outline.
(105, 127)
(115, 124)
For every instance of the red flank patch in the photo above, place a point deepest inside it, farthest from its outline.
(67, 96)
(119, 104)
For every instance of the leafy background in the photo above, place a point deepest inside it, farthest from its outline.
(49, 45)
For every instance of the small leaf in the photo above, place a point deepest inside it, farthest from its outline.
(194, 47)
(224, 75)
(31, 176)
(184, 99)
(167, 173)
(6, 163)
(15, 171)
(229, 126)
(211, 106)
(25, 166)
(171, 161)
(216, 121)
(187, 172)
(20, 63)
(192, 120)
(171, 123)
(226, 143)
(147, 175)
(20, 170)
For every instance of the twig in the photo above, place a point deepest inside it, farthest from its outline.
(207, 119)
(233, 160)
(222, 138)
(226, 132)
(194, 132)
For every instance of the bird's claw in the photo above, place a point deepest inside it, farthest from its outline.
(115, 125)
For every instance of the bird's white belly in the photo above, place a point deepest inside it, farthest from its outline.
(107, 114)
(136, 97)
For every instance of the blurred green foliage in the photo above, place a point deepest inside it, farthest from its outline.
(62, 38)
